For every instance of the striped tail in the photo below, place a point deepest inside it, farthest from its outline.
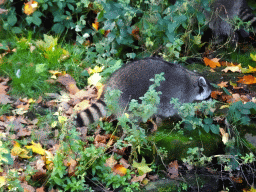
(92, 113)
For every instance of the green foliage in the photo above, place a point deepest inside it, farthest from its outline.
(187, 112)
(196, 157)
(5, 156)
(135, 135)
(4, 109)
(13, 181)
(238, 113)
(159, 25)
(91, 163)
(149, 101)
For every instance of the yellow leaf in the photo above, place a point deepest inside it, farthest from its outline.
(2, 181)
(253, 56)
(36, 148)
(62, 119)
(96, 25)
(92, 80)
(48, 160)
(96, 69)
(18, 151)
(234, 68)
(54, 124)
(224, 106)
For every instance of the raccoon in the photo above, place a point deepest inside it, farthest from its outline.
(133, 80)
(222, 12)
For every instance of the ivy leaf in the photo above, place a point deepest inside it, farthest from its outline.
(142, 167)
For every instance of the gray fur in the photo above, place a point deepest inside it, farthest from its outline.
(222, 12)
(133, 80)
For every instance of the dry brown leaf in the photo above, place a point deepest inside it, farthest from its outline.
(119, 151)
(3, 88)
(247, 79)
(41, 189)
(214, 94)
(110, 162)
(71, 167)
(69, 83)
(223, 84)
(124, 163)
(23, 106)
(213, 63)
(5, 99)
(23, 132)
(139, 178)
(173, 169)
(100, 139)
(153, 177)
(27, 188)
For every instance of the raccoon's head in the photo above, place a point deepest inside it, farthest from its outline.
(204, 89)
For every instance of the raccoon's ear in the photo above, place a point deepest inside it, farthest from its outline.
(202, 82)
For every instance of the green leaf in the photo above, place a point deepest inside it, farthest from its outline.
(214, 128)
(12, 20)
(71, 7)
(208, 121)
(36, 20)
(58, 28)
(226, 91)
(245, 111)
(249, 105)
(206, 128)
(111, 15)
(16, 30)
(245, 120)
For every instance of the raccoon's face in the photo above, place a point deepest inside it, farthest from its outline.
(204, 89)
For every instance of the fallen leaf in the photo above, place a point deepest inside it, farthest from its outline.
(138, 178)
(173, 169)
(27, 188)
(223, 84)
(213, 63)
(69, 83)
(36, 148)
(235, 68)
(18, 151)
(247, 79)
(5, 99)
(142, 167)
(119, 169)
(95, 25)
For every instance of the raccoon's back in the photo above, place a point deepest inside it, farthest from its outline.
(133, 81)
